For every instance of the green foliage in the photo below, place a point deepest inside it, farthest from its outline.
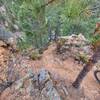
(95, 39)
(82, 57)
(74, 16)
(28, 16)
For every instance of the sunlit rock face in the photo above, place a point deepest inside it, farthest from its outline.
(75, 46)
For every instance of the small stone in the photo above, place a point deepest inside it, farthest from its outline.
(43, 76)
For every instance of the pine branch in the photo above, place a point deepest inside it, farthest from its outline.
(46, 4)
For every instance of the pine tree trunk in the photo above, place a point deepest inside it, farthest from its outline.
(85, 70)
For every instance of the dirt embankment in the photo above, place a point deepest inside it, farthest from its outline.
(4, 56)
(62, 74)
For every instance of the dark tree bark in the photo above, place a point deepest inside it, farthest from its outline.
(86, 69)
(46, 4)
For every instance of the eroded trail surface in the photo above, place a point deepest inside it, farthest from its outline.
(68, 70)
(63, 72)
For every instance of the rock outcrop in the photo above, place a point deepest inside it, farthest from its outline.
(76, 46)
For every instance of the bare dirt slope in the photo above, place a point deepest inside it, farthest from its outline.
(68, 69)
(62, 71)
(4, 56)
